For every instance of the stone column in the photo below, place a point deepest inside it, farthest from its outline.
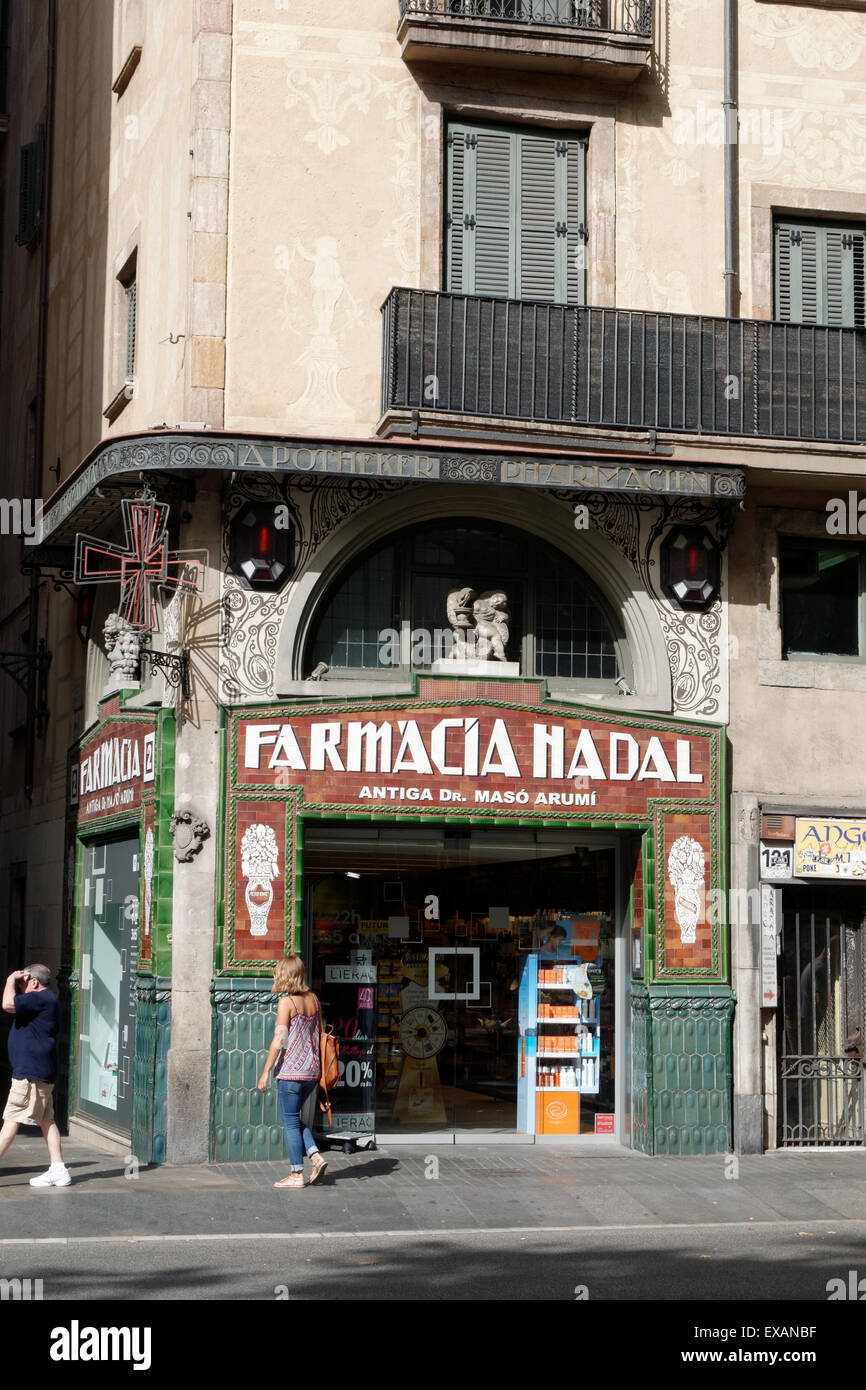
(197, 779)
(744, 913)
(209, 148)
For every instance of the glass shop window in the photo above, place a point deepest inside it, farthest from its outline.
(390, 611)
(821, 592)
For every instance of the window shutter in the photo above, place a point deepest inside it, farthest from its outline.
(819, 274)
(494, 259)
(572, 286)
(130, 330)
(542, 214)
(31, 181)
(454, 229)
(516, 207)
(844, 259)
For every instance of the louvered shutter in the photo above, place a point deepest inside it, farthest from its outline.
(455, 281)
(494, 170)
(572, 287)
(845, 287)
(130, 330)
(540, 201)
(30, 189)
(516, 214)
(819, 274)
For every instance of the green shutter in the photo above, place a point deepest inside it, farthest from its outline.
(455, 279)
(819, 274)
(494, 168)
(130, 330)
(516, 214)
(541, 210)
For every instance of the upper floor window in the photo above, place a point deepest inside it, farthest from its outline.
(821, 588)
(390, 610)
(516, 213)
(820, 273)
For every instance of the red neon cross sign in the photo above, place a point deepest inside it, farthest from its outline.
(142, 565)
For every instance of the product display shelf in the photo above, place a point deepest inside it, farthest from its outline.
(578, 1072)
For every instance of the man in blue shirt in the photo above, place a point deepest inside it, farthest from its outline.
(33, 1058)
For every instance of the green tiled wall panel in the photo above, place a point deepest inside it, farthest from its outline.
(152, 1038)
(690, 1071)
(245, 1124)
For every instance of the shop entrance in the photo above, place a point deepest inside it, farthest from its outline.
(822, 1015)
(108, 960)
(445, 958)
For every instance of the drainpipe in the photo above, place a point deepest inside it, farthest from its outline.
(729, 106)
(34, 483)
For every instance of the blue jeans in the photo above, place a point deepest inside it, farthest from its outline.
(298, 1138)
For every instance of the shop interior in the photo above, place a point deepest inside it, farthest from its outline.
(419, 939)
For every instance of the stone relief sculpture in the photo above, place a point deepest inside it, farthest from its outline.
(686, 876)
(323, 357)
(259, 866)
(187, 831)
(122, 647)
(458, 607)
(480, 624)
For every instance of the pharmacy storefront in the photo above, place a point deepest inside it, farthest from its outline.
(118, 871)
(502, 902)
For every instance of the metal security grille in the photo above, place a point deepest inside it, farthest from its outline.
(821, 1019)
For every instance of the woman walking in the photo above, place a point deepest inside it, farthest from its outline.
(295, 1050)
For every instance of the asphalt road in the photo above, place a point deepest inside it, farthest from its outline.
(765, 1263)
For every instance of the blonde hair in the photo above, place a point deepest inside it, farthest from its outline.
(290, 976)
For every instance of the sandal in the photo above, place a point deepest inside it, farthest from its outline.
(318, 1168)
(293, 1180)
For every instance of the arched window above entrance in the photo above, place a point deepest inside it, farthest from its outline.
(387, 611)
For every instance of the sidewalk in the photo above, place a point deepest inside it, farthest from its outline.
(429, 1188)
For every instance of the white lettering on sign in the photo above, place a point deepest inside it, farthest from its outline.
(111, 763)
(354, 974)
(455, 747)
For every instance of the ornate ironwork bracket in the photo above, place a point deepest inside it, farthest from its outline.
(59, 575)
(174, 667)
(21, 666)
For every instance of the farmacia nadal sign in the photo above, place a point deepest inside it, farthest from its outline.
(473, 756)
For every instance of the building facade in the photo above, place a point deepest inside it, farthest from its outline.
(448, 417)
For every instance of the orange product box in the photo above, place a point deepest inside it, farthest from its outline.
(557, 1112)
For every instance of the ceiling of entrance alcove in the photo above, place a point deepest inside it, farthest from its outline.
(376, 850)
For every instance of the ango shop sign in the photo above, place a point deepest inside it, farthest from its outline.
(474, 757)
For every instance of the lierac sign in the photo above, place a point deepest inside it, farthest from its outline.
(474, 756)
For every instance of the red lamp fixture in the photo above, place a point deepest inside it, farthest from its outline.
(691, 566)
(260, 551)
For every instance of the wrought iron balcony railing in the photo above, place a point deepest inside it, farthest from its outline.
(622, 368)
(632, 17)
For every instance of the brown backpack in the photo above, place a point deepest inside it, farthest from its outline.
(329, 1074)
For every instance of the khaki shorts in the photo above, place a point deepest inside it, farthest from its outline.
(30, 1102)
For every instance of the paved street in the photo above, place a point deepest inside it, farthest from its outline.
(450, 1222)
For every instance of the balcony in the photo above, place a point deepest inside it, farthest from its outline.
(596, 38)
(512, 360)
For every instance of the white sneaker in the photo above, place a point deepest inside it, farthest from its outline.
(58, 1175)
